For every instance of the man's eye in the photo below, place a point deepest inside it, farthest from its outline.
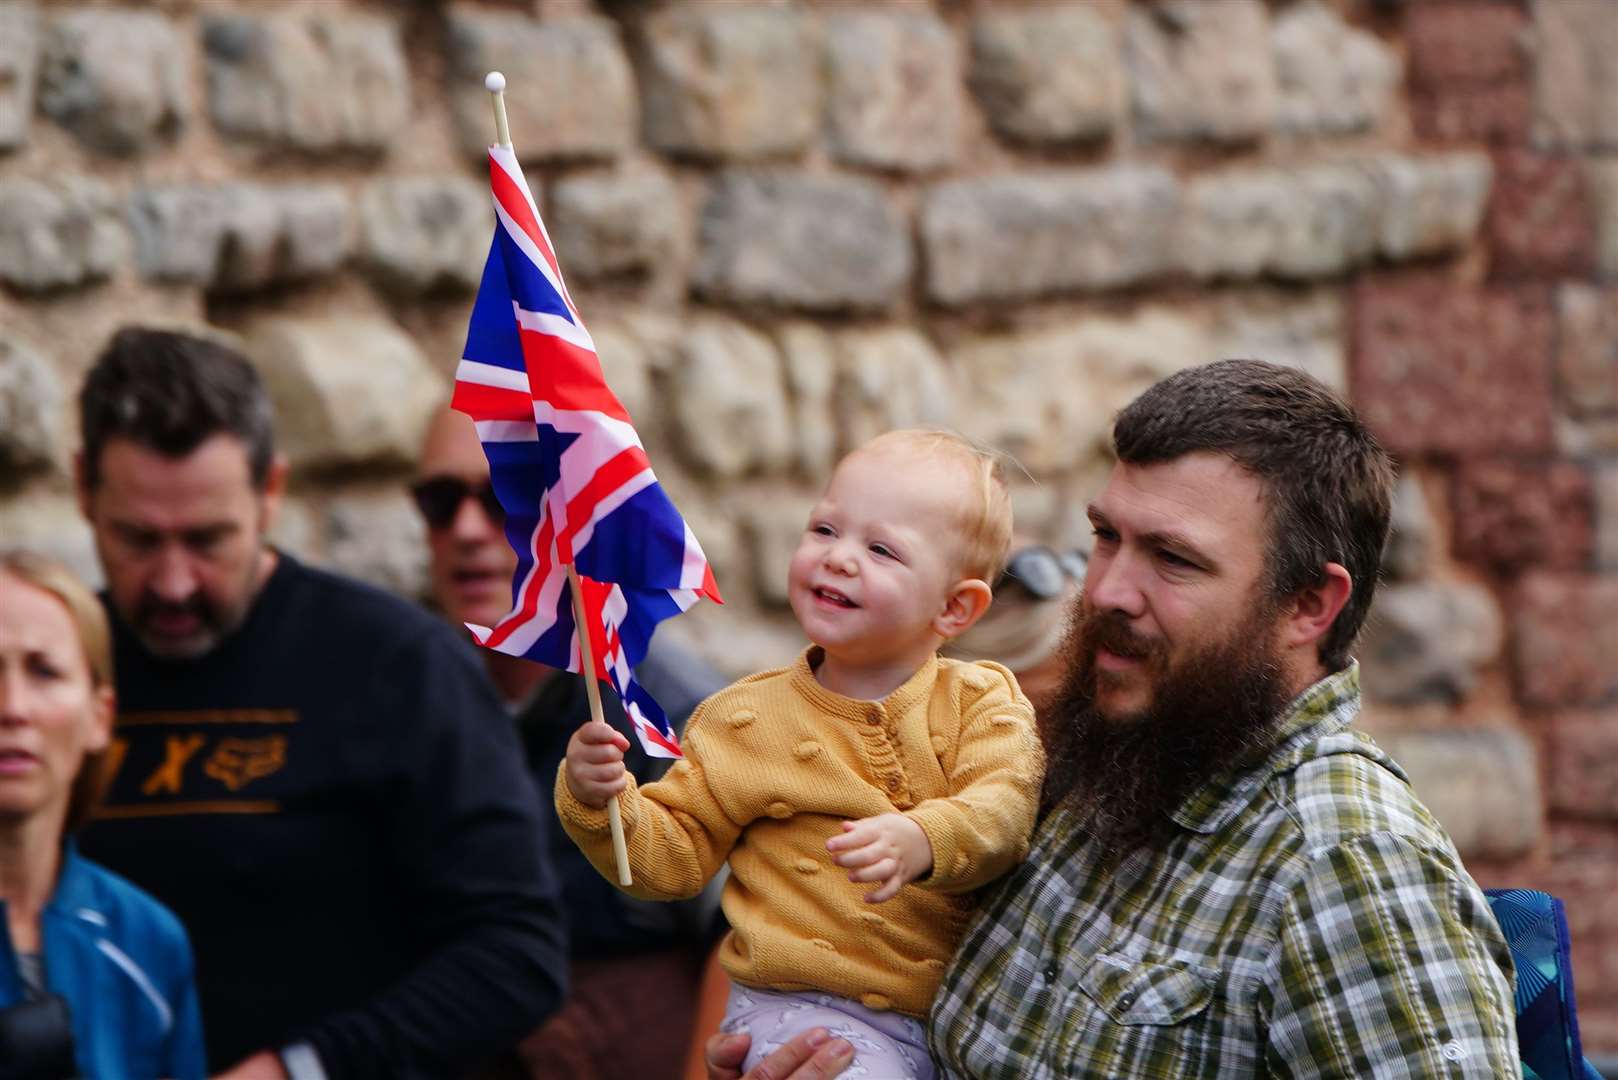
(1104, 535)
(1179, 562)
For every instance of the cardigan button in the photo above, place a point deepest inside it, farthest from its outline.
(893, 783)
(874, 717)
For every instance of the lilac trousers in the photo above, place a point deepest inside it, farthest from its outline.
(887, 1045)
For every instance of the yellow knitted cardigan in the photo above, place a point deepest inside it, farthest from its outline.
(774, 763)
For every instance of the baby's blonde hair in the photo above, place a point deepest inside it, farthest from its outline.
(985, 518)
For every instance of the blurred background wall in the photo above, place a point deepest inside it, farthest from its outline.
(792, 225)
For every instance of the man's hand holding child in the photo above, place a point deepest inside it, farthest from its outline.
(889, 848)
(595, 764)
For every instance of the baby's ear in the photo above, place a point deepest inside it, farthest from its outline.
(968, 599)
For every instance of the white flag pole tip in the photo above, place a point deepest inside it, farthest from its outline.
(495, 84)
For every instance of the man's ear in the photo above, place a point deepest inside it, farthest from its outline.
(275, 486)
(965, 605)
(1316, 607)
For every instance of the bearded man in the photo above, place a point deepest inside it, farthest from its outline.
(1229, 880)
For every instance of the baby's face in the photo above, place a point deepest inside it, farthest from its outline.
(879, 558)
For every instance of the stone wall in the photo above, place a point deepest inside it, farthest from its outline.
(791, 225)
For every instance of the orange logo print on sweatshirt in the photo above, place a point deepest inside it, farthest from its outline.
(236, 762)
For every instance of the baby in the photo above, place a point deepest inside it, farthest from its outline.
(870, 772)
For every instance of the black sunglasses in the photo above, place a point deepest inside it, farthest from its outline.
(439, 499)
(1040, 571)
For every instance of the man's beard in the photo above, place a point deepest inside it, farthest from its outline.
(1213, 709)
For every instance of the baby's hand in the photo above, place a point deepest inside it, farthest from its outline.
(889, 848)
(595, 764)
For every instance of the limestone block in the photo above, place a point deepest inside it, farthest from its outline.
(116, 79)
(1331, 78)
(31, 417)
(1605, 485)
(1315, 220)
(820, 243)
(1202, 72)
(728, 400)
(728, 81)
(1510, 515)
(1425, 641)
(1481, 784)
(1469, 70)
(1021, 237)
(1430, 205)
(1575, 82)
(51, 524)
(570, 91)
(894, 89)
(1047, 397)
(1565, 634)
(238, 237)
(772, 528)
(1601, 184)
(627, 365)
(1308, 332)
(19, 62)
(348, 390)
(58, 235)
(1410, 535)
(1584, 746)
(376, 535)
(890, 377)
(1541, 220)
(810, 358)
(1448, 369)
(313, 81)
(1048, 74)
(419, 234)
(606, 224)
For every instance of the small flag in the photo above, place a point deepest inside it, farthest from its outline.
(569, 470)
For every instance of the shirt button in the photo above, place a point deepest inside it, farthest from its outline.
(1453, 1051)
(1051, 973)
(1125, 1000)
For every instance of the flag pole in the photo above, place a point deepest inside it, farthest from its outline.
(495, 84)
(587, 669)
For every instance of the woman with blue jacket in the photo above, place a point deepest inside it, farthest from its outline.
(74, 933)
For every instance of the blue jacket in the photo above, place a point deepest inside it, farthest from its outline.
(122, 962)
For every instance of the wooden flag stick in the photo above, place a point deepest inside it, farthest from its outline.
(587, 666)
(495, 84)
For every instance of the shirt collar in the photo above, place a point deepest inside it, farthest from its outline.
(1325, 708)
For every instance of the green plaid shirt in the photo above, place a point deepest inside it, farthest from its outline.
(1308, 918)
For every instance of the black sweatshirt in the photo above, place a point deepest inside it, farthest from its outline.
(335, 804)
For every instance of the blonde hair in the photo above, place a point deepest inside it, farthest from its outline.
(985, 518)
(95, 638)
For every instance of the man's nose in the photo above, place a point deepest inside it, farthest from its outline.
(175, 579)
(1111, 584)
(471, 522)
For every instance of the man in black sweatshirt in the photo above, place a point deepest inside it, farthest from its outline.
(313, 774)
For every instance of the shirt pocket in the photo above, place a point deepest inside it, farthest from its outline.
(1147, 992)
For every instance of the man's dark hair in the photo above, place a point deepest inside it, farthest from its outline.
(1327, 483)
(171, 392)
